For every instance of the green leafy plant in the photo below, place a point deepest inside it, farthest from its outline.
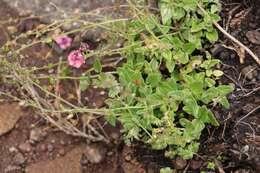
(162, 93)
(166, 170)
(166, 83)
(211, 166)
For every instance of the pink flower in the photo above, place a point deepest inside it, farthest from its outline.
(63, 41)
(76, 59)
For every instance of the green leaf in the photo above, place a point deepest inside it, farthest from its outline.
(84, 84)
(181, 57)
(209, 63)
(224, 89)
(210, 82)
(166, 170)
(207, 116)
(178, 13)
(166, 13)
(154, 79)
(111, 119)
(189, 48)
(97, 65)
(224, 102)
(170, 63)
(191, 107)
(212, 36)
(218, 73)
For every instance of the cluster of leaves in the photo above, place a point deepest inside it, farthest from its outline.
(162, 93)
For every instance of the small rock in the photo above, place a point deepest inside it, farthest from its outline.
(19, 159)
(115, 136)
(13, 150)
(253, 36)
(62, 152)
(43, 147)
(83, 161)
(128, 158)
(110, 153)
(102, 93)
(93, 35)
(249, 72)
(179, 163)
(196, 164)
(25, 147)
(12, 168)
(12, 29)
(70, 163)
(98, 103)
(95, 153)
(50, 147)
(9, 115)
(37, 135)
(62, 142)
(245, 149)
(217, 49)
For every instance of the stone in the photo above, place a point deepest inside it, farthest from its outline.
(128, 158)
(9, 115)
(25, 147)
(50, 147)
(37, 135)
(253, 36)
(179, 163)
(19, 159)
(95, 153)
(62, 152)
(249, 72)
(196, 164)
(43, 147)
(13, 150)
(66, 164)
(12, 168)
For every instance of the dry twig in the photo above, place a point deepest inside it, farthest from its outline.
(247, 115)
(233, 39)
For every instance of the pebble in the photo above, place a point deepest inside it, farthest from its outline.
(196, 164)
(102, 93)
(83, 161)
(37, 135)
(110, 153)
(98, 103)
(62, 142)
(12, 168)
(12, 29)
(128, 158)
(19, 159)
(62, 152)
(50, 147)
(43, 147)
(253, 36)
(179, 163)
(25, 147)
(249, 72)
(13, 150)
(94, 154)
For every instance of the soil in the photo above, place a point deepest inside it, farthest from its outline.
(29, 144)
